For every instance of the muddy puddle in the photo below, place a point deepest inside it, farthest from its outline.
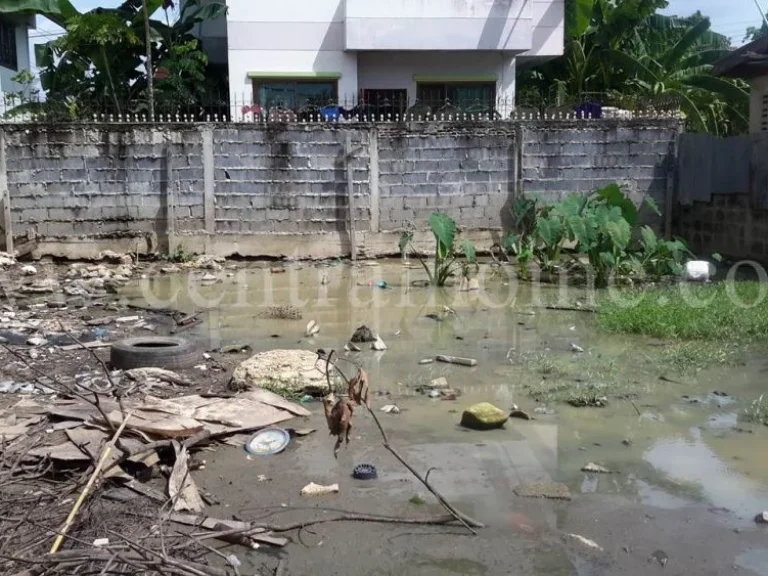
(672, 443)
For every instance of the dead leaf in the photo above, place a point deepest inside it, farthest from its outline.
(358, 389)
(338, 415)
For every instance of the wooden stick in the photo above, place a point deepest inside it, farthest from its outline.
(91, 481)
(569, 308)
(456, 360)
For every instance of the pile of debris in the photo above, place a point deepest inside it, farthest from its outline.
(100, 458)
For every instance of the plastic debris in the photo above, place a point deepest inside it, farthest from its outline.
(312, 328)
(575, 348)
(391, 409)
(595, 468)
(586, 541)
(313, 489)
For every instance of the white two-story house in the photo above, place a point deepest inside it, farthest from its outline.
(14, 50)
(295, 53)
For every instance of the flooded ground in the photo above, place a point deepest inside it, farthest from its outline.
(689, 475)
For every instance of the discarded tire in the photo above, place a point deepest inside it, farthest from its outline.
(153, 352)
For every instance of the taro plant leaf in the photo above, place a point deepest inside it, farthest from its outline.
(652, 204)
(608, 258)
(578, 228)
(648, 239)
(405, 239)
(444, 229)
(717, 257)
(619, 232)
(509, 244)
(613, 195)
(676, 268)
(549, 230)
(468, 247)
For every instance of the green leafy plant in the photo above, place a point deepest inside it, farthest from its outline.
(519, 243)
(757, 412)
(549, 239)
(180, 255)
(445, 261)
(659, 257)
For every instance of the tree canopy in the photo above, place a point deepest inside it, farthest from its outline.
(624, 53)
(98, 65)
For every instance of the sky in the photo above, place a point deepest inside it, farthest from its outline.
(729, 17)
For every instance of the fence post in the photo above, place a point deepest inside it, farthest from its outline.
(373, 170)
(5, 196)
(209, 201)
(351, 195)
(170, 202)
(519, 136)
(669, 198)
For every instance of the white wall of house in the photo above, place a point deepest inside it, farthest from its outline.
(289, 36)
(22, 57)
(384, 44)
(397, 70)
(438, 25)
(547, 30)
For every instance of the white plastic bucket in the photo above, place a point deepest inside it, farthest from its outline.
(699, 271)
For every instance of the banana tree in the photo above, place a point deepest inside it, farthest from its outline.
(98, 58)
(683, 71)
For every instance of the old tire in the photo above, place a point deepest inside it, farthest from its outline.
(153, 352)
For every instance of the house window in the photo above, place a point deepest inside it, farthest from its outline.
(470, 97)
(295, 95)
(8, 56)
(383, 102)
(764, 113)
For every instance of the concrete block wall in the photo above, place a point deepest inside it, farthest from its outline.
(577, 156)
(728, 224)
(278, 190)
(286, 180)
(91, 182)
(465, 170)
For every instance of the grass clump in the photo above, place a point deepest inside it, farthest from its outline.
(728, 311)
(687, 357)
(757, 412)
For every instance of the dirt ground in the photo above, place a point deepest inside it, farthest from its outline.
(632, 521)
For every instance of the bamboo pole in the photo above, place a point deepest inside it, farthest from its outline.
(104, 455)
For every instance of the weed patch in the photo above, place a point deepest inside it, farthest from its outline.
(687, 357)
(736, 312)
(757, 412)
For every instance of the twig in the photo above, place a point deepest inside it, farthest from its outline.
(92, 353)
(197, 569)
(569, 308)
(467, 521)
(69, 389)
(357, 518)
(636, 408)
(91, 481)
